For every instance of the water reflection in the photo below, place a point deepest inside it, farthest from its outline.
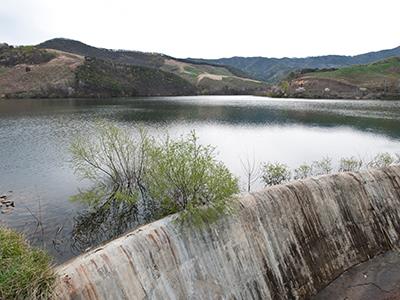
(377, 116)
(382, 117)
(35, 137)
(99, 224)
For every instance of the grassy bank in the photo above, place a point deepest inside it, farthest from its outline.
(378, 80)
(25, 272)
(377, 72)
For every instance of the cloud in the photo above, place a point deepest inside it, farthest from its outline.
(209, 28)
(21, 23)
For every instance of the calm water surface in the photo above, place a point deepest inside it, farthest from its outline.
(35, 136)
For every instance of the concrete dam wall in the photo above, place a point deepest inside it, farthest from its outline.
(284, 242)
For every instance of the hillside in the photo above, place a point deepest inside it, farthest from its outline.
(151, 60)
(66, 68)
(36, 72)
(379, 80)
(99, 78)
(275, 69)
(207, 78)
(40, 73)
(210, 79)
(10, 56)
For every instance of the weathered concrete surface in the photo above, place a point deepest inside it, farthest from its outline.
(285, 242)
(376, 279)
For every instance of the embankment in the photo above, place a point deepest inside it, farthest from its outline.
(285, 242)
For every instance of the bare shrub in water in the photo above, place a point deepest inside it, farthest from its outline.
(115, 163)
(113, 160)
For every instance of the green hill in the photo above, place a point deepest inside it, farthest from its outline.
(376, 80)
(374, 74)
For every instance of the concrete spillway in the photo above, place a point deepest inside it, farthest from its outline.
(284, 242)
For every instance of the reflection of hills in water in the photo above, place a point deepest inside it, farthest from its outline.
(381, 117)
(375, 118)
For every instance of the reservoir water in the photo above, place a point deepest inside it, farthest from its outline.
(35, 135)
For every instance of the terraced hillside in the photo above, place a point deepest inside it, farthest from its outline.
(42, 73)
(207, 78)
(211, 79)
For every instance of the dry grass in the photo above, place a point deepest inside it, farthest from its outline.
(57, 73)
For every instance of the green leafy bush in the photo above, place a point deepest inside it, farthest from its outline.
(350, 164)
(322, 167)
(185, 176)
(25, 272)
(382, 160)
(275, 173)
(303, 171)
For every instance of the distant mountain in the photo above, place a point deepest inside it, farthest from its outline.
(68, 68)
(275, 69)
(206, 77)
(378, 80)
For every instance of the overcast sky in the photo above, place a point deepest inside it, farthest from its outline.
(209, 28)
